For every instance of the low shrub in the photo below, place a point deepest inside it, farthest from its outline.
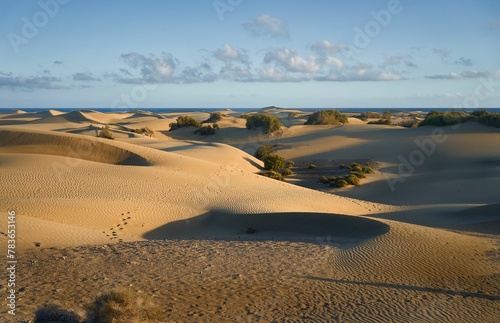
(146, 131)
(184, 121)
(214, 117)
(267, 122)
(342, 183)
(273, 162)
(263, 151)
(342, 166)
(437, 118)
(326, 117)
(480, 113)
(324, 180)
(121, 305)
(287, 172)
(206, 131)
(312, 166)
(274, 175)
(387, 122)
(353, 180)
(368, 115)
(357, 174)
(490, 119)
(106, 133)
(289, 164)
(356, 167)
(409, 123)
(368, 170)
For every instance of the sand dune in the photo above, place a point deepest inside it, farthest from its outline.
(426, 250)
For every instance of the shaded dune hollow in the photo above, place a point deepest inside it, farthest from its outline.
(272, 226)
(67, 145)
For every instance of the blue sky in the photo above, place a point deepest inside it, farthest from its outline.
(249, 53)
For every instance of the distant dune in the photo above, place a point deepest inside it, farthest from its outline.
(187, 217)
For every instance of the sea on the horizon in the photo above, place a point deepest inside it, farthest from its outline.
(169, 110)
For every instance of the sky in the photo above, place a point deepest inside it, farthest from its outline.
(249, 54)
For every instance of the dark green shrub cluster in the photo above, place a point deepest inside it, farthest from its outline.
(369, 115)
(287, 172)
(387, 122)
(385, 119)
(267, 122)
(263, 151)
(146, 131)
(106, 133)
(490, 119)
(326, 117)
(312, 166)
(274, 175)
(207, 130)
(480, 113)
(214, 117)
(289, 164)
(184, 121)
(341, 183)
(273, 162)
(356, 172)
(438, 118)
(409, 123)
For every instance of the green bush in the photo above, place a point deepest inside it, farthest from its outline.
(368, 170)
(125, 306)
(324, 180)
(312, 166)
(387, 122)
(206, 131)
(369, 115)
(491, 119)
(146, 131)
(265, 121)
(215, 126)
(332, 178)
(287, 172)
(357, 174)
(437, 118)
(106, 133)
(342, 166)
(342, 183)
(263, 151)
(274, 175)
(214, 117)
(356, 167)
(353, 180)
(273, 162)
(184, 121)
(480, 113)
(289, 164)
(326, 117)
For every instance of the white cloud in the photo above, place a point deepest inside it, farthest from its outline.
(325, 46)
(291, 61)
(7, 80)
(266, 25)
(470, 74)
(85, 77)
(395, 60)
(153, 69)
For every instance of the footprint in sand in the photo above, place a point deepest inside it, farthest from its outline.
(119, 226)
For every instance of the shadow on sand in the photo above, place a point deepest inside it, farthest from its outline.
(291, 226)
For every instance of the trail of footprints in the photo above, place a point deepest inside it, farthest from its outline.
(113, 232)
